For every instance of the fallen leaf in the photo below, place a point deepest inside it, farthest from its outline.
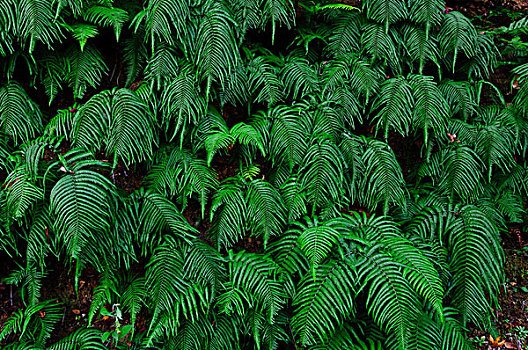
(495, 343)
(509, 345)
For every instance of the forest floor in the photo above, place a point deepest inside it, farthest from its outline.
(510, 317)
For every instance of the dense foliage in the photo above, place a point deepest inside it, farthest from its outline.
(357, 246)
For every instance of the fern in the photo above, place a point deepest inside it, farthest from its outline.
(461, 161)
(277, 11)
(83, 32)
(86, 68)
(107, 16)
(20, 117)
(162, 65)
(385, 12)
(161, 18)
(457, 33)
(322, 174)
(430, 107)
(276, 144)
(428, 11)
(420, 47)
(31, 19)
(264, 78)
(184, 173)
(395, 106)
(299, 77)
(30, 325)
(265, 209)
(183, 103)
(215, 51)
(81, 202)
(82, 339)
(319, 307)
(475, 270)
(120, 118)
(53, 74)
(346, 34)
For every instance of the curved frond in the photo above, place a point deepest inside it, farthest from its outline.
(322, 174)
(323, 301)
(82, 205)
(457, 33)
(20, 117)
(86, 68)
(265, 209)
(395, 103)
(107, 16)
(476, 262)
(385, 11)
(215, 52)
(163, 18)
(122, 120)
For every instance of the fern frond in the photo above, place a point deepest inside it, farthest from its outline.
(230, 223)
(462, 173)
(476, 262)
(459, 96)
(134, 57)
(158, 216)
(33, 20)
(395, 103)
(316, 240)
(287, 135)
(22, 193)
(107, 16)
(53, 73)
(184, 173)
(391, 301)
(215, 53)
(184, 105)
(457, 33)
(80, 200)
(265, 209)
(256, 276)
(428, 12)
(496, 146)
(430, 107)
(383, 181)
(346, 34)
(81, 339)
(163, 65)
(277, 11)
(132, 298)
(299, 77)
(264, 79)
(20, 117)
(163, 18)
(421, 48)
(122, 120)
(323, 302)
(385, 12)
(322, 174)
(86, 68)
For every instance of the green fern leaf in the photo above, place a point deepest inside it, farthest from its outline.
(20, 117)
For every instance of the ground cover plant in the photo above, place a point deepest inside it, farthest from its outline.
(266, 174)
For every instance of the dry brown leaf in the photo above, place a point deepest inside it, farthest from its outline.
(509, 345)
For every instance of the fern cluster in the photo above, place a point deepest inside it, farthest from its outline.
(356, 249)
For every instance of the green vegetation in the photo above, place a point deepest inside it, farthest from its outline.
(360, 148)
